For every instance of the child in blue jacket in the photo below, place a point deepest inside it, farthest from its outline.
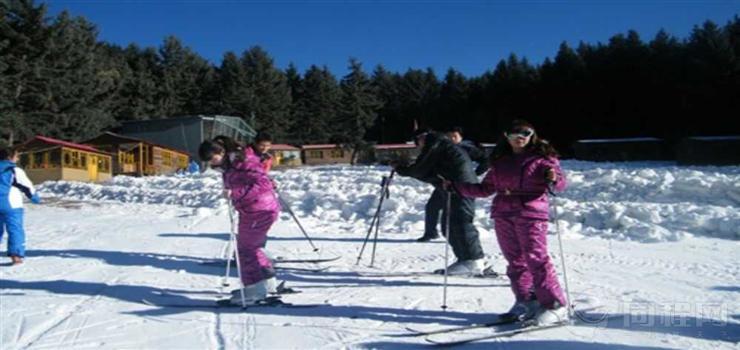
(13, 185)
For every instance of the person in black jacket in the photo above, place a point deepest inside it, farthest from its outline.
(440, 157)
(475, 151)
(436, 202)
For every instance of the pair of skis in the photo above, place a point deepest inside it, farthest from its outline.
(272, 301)
(487, 273)
(278, 260)
(502, 334)
(438, 336)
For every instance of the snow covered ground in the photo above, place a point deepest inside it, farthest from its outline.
(655, 244)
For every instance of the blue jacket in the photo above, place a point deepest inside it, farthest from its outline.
(14, 183)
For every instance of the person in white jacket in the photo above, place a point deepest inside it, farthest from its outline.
(13, 185)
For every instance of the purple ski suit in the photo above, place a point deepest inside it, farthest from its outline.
(520, 213)
(253, 197)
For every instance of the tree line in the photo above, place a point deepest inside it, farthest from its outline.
(59, 80)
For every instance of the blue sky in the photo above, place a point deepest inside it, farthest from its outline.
(471, 36)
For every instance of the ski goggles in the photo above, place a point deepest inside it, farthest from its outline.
(523, 133)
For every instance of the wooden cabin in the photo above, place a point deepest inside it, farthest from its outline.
(620, 150)
(48, 159)
(709, 150)
(326, 154)
(137, 157)
(285, 155)
(387, 153)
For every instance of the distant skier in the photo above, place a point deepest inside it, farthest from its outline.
(252, 194)
(13, 185)
(261, 146)
(522, 166)
(193, 167)
(436, 202)
(440, 157)
(474, 150)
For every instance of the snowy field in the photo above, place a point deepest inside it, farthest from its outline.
(653, 244)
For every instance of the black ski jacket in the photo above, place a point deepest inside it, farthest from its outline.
(477, 155)
(440, 156)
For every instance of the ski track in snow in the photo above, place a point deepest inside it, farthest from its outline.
(622, 248)
(37, 337)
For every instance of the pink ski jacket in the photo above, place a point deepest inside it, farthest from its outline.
(251, 188)
(519, 183)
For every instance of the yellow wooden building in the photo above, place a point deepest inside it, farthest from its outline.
(285, 155)
(326, 154)
(137, 157)
(48, 159)
(387, 153)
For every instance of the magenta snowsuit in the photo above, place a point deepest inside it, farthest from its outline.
(254, 198)
(520, 220)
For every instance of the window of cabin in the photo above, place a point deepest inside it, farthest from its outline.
(316, 154)
(75, 159)
(166, 158)
(182, 161)
(337, 153)
(55, 158)
(37, 160)
(67, 158)
(25, 160)
(150, 155)
(104, 164)
(83, 160)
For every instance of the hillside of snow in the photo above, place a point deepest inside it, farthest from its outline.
(653, 247)
(646, 201)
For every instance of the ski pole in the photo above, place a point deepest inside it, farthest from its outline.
(295, 218)
(375, 217)
(367, 236)
(385, 194)
(447, 247)
(235, 245)
(562, 255)
(229, 249)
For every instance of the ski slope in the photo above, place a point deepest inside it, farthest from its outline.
(654, 244)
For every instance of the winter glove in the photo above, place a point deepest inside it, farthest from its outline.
(447, 185)
(550, 175)
(35, 199)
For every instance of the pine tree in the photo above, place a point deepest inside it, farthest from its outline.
(181, 77)
(713, 79)
(267, 93)
(510, 91)
(732, 32)
(317, 106)
(59, 82)
(452, 103)
(25, 39)
(390, 118)
(358, 108)
(232, 86)
(419, 90)
(561, 92)
(294, 82)
(80, 87)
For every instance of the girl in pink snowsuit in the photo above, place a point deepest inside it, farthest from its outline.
(252, 195)
(522, 166)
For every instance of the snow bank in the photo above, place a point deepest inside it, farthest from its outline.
(202, 190)
(640, 201)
